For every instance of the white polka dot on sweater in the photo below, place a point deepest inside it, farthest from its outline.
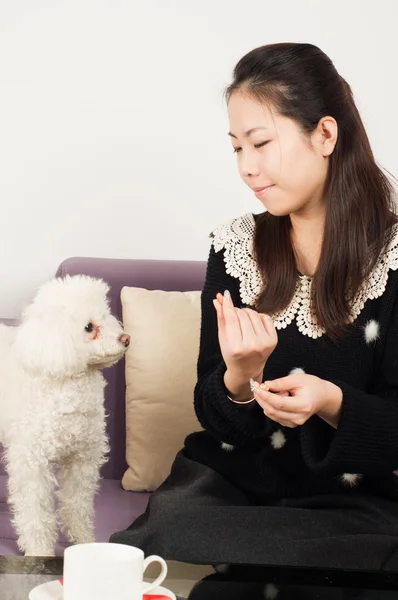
(227, 447)
(270, 591)
(278, 439)
(351, 479)
(297, 371)
(372, 331)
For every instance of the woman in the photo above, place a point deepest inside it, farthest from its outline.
(302, 297)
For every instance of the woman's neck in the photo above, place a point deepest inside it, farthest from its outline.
(307, 238)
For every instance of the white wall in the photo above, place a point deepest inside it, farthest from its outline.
(113, 129)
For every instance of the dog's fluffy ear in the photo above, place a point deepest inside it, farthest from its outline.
(45, 345)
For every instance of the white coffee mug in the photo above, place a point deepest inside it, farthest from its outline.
(106, 571)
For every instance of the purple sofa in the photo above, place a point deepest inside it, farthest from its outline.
(115, 508)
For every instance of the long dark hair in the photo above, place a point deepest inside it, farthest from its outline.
(301, 82)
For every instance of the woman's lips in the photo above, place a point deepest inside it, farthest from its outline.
(261, 192)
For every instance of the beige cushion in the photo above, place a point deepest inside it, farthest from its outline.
(160, 379)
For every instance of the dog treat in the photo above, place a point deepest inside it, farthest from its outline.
(263, 386)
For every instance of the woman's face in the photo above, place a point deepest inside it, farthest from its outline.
(285, 168)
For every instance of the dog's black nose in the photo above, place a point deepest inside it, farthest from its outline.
(125, 339)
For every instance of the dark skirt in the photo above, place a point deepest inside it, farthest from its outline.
(197, 516)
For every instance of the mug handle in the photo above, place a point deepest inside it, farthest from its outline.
(147, 587)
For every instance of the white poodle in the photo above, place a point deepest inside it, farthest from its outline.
(52, 418)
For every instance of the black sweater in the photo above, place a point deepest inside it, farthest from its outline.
(270, 461)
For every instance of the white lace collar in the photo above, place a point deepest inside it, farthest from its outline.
(236, 238)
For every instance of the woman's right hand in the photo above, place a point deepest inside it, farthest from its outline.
(247, 339)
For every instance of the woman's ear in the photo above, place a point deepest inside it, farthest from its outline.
(325, 135)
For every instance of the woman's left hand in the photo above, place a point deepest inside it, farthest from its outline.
(309, 395)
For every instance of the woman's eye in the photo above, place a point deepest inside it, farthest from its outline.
(260, 145)
(89, 327)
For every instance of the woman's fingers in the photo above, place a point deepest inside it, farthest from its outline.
(248, 328)
(244, 324)
(232, 322)
(269, 326)
(228, 321)
(258, 328)
(218, 308)
(261, 323)
(256, 322)
(281, 416)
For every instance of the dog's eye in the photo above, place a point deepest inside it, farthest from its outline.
(89, 327)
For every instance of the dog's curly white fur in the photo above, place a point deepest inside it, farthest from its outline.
(52, 417)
